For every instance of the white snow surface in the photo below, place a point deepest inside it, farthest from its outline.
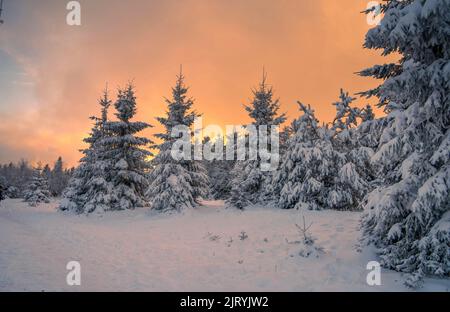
(198, 250)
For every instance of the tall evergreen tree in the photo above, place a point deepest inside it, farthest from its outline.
(249, 179)
(79, 191)
(127, 154)
(407, 217)
(350, 183)
(98, 189)
(176, 184)
(112, 172)
(75, 194)
(47, 173)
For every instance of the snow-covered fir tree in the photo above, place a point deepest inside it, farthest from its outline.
(346, 117)
(80, 190)
(304, 133)
(37, 189)
(112, 172)
(125, 156)
(308, 166)
(73, 196)
(367, 138)
(47, 174)
(57, 178)
(176, 184)
(350, 184)
(408, 217)
(248, 179)
(98, 185)
(368, 132)
(285, 134)
(277, 178)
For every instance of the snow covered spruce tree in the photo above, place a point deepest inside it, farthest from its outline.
(308, 167)
(285, 185)
(37, 189)
(408, 217)
(368, 132)
(249, 180)
(111, 174)
(285, 134)
(88, 189)
(98, 185)
(176, 184)
(57, 178)
(47, 174)
(124, 155)
(350, 184)
(367, 138)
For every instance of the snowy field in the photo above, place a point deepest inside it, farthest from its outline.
(199, 250)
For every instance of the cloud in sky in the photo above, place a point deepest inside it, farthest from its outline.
(53, 73)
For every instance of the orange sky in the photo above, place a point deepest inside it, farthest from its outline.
(52, 74)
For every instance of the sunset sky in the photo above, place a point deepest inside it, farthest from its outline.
(52, 74)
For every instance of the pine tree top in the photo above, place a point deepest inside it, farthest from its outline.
(305, 126)
(126, 103)
(105, 103)
(346, 116)
(263, 109)
(179, 109)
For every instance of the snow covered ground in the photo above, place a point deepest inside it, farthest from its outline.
(199, 250)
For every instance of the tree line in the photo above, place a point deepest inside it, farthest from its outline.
(15, 178)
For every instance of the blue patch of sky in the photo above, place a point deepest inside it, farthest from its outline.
(16, 87)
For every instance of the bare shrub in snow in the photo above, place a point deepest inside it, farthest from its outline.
(243, 236)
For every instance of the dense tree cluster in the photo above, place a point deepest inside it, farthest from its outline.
(16, 177)
(113, 172)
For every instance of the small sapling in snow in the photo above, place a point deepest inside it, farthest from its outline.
(243, 236)
(307, 242)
